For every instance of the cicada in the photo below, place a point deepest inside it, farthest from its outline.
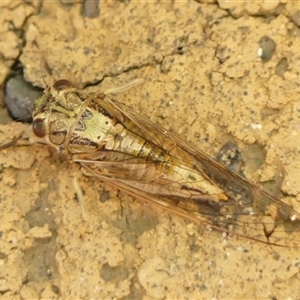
(121, 147)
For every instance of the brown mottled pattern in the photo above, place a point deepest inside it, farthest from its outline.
(94, 104)
(79, 140)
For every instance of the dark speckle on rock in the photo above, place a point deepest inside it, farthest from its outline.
(281, 67)
(91, 9)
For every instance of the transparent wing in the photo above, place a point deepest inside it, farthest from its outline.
(249, 211)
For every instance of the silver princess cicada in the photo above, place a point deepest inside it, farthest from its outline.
(121, 147)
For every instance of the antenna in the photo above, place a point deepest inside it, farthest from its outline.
(43, 64)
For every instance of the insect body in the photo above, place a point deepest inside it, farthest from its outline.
(123, 148)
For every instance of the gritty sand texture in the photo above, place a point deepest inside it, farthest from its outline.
(203, 79)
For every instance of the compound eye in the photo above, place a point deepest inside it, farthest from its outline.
(62, 84)
(39, 128)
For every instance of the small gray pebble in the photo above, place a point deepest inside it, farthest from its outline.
(19, 98)
(268, 47)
